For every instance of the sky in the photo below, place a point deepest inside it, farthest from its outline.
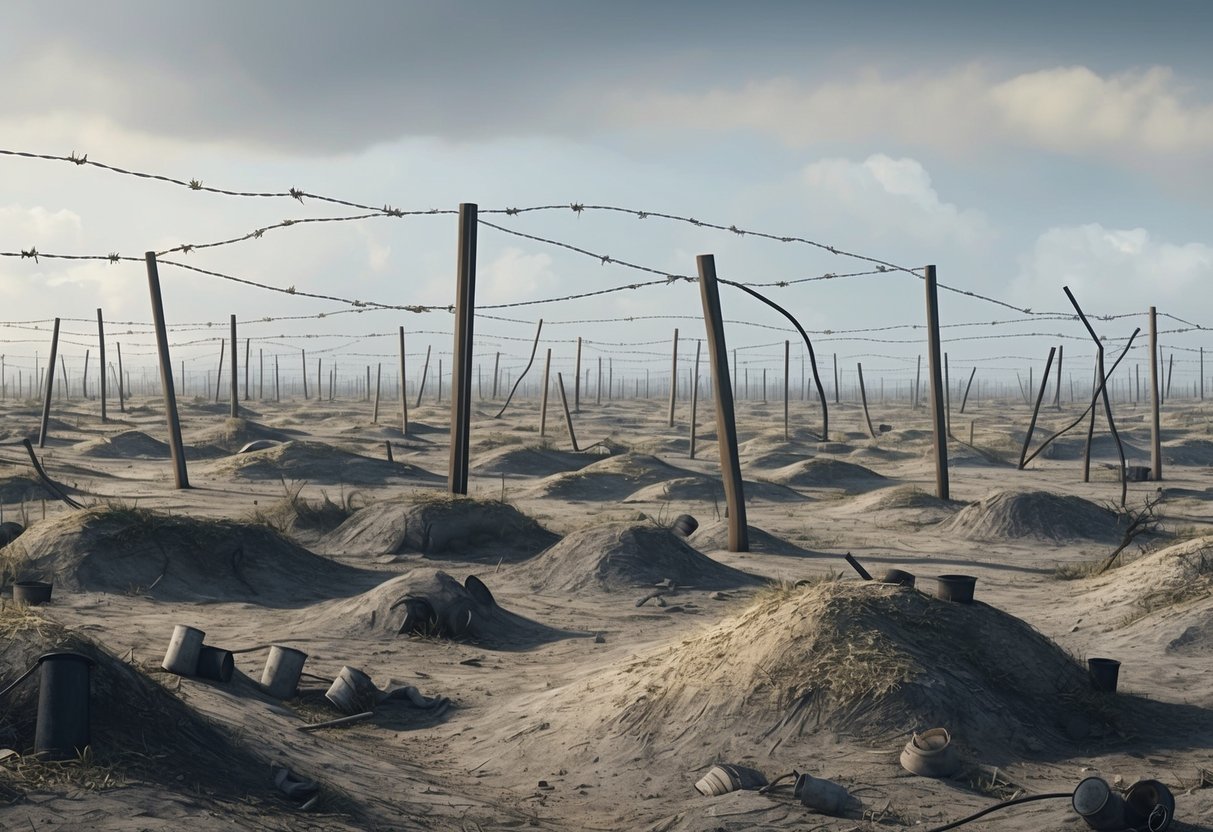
(1019, 148)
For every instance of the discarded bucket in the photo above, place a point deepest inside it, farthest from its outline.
(823, 795)
(1098, 805)
(958, 588)
(478, 590)
(685, 525)
(215, 663)
(353, 692)
(283, 667)
(1149, 805)
(62, 731)
(726, 778)
(1104, 674)
(930, 754)
(32, 593)
(183, 649)
(897, 576)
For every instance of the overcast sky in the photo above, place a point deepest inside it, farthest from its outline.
(1019, 147)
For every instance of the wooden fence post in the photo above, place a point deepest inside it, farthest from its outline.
(496, 374)
(1040, 397)
(917, 379)
(425, 369)
(121, 386)
(1060, 355)
(863, 397)
(176, 446)
(303, 363)
(1155, 426)
(568, 417)
(219, 372)
(577, 380)
(248, 344)
(695, 397)
(235, 408)
(935, 371)
(378, 378)
(543, 401)
(787, 358)
(404, 399)
(674, 377)
(965, 400)
(726, 425)
(461, 361)
(101, 339)
(49, 389)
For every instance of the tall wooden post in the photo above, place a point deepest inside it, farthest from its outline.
(277, 387)
(598, 399)
(543, 401)
(577, 380)
(101, 339)
(1155, 425)
(836, 394)
(319, 380)
(726, 425)
(935, 372)
(947, 394)
(219, 372)
(674, 377)
(917, 379)
(863, 397)
(568, 417)
(404, 399)
(50, 385)
(1060, 355)
(248, 344)
(461, 363)
(235, 408)
(176, 446)
(261, 374)
(303, 363)
(695, 398)
(496, 373)
(1040, 397)
(378, 378)
(121, 386)
(425, 369)
(787, 357)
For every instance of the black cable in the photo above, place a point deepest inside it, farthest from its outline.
(997, 806)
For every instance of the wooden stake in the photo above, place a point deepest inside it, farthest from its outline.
(219, 374)
(248, 344)
(674, 378)
(425, 369)
(1057, 395)
(695, 398)
(1155, 425)
(121, 387)
(176, 446)
(461, 361)
(965, 400)
(101, 340)
(378, 378)
(863, 397)
(235, 409)
(404, 399)
(568, 417)
(787, 358)
(935, 371)
(577, 380)
(543, 401)
(726, 426)
(303, 363)
(1040, 397)
(49, 390)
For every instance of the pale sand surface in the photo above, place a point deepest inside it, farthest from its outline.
(617, 708)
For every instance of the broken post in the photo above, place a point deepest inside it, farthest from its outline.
(726, 425)
(1040, 397)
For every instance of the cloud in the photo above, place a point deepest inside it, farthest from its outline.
(893, 197)
(38, 226)
(1065, 109)
(1121, 268)
(514, 275)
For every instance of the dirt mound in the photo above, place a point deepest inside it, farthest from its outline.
(458, 528)
(139, 733)
(902, 497)
(614, 556)
(177, 558)
(773, 459)
(531, 462)
(827, 473)
(232, 434)
(1039, 514)
(710, 489)
(22, 488)
(318, 462)
(454, 611)
(1188, 452)
(712, 537)
(609, 479)
(1070, 447)
(870, 660)
(130, 444)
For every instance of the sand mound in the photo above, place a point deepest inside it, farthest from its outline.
(1040, 514)
(1188, 452)
(772, 459)
(709, 489)
(612, 478)
(614, 556)
(531, 462)
(130, 444)
(317, 462)
(22, 488)
(140, 732)
(177, 558)
(901, 497)
(1071, 447)
(827, 473)
(712, 537)
(232, 434)
(870, 660)
(457, 613)
(456, 528)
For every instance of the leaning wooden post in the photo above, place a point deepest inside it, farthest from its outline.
(84, 377)
(1040, 397)
(461, 362)
(319, 380)
(277, 386)
(404, 399)
(863, 397)
(568, 417)
(425, 369)
(674, 378)
(261, 374)
(378, 377)
(496, 374)
(726, 425)
(1155, 426)
(965, 399)
(248, 344)
(543, 400)
(235, 408)
(787, 357)
(1202, 374)
(176, 446)
(219, 373)
(50, 385)
(1170, 370)
(303, 363)
(836, 394)
(935, 372)
(917, 379)
(598, 397)
(121, 387)
(947, 394)
(101, 340)
(577, 380)
(695, 398)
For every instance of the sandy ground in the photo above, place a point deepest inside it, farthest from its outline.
(572, 707)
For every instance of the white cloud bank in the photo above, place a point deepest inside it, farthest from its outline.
(1068, 109)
